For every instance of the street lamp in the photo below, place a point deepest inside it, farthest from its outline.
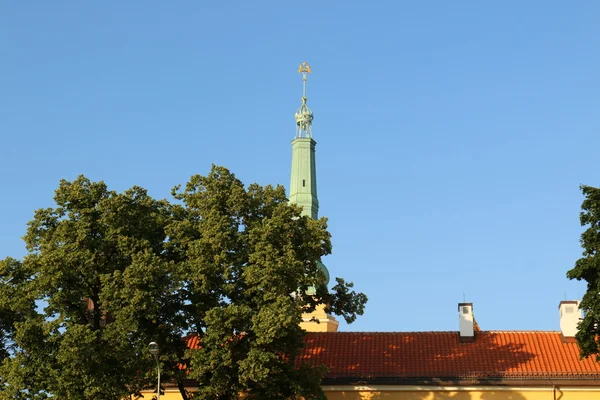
(155, 351)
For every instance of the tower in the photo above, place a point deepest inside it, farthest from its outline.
(303, 183)
(303, 192)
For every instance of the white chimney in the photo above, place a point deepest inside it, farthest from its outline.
(569, 318)
(466, 332)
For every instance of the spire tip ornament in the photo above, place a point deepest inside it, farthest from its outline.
(304, 115)
(304, 68)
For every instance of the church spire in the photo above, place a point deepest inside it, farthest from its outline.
(303, 185)
(303, 192)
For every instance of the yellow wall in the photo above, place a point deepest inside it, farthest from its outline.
(441, 393)
(169, 394)
(326, 323)
(460, 393)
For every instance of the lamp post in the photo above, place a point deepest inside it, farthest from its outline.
(155, 351)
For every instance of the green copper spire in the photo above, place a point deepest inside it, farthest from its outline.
(303, 184)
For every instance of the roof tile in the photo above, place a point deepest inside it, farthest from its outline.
(440, 355)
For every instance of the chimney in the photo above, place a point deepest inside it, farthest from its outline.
(569, 318)
(466, 321)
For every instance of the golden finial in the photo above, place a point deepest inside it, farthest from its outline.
(304, 67)
(304, 115)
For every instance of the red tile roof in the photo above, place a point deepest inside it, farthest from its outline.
(192, 341)
(423, 356)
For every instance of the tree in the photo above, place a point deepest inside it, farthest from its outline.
(78, 252)
(228, 265)
(588, 268)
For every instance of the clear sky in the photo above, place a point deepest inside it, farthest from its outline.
(452, 135)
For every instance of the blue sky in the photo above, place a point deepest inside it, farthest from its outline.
(452, 136)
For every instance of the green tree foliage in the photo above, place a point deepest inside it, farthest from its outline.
(587, 268)
(110, 272)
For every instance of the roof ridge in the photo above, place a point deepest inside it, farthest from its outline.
(417, 332)
(386, 332)
(523, 331)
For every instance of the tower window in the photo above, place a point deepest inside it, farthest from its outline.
(303, 182)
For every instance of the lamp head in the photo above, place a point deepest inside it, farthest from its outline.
(153, 348)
